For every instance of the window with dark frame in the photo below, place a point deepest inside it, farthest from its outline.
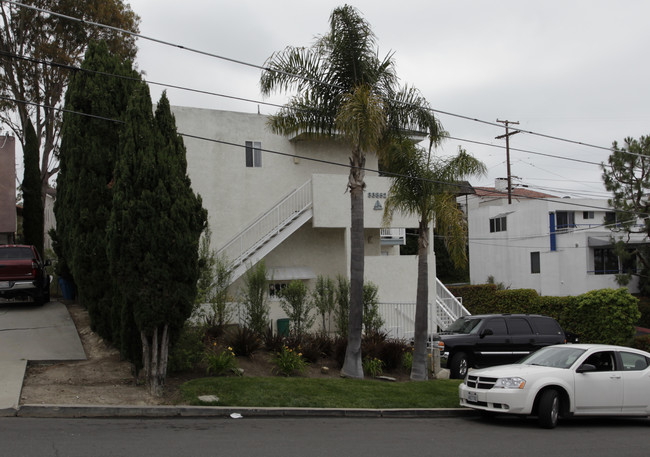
(605, 261)
(498, 224)
(565, 219)
(253, 154)
(535, 263)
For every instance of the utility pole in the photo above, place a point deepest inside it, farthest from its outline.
(507, 137)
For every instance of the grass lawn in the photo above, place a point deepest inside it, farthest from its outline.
(322, 393)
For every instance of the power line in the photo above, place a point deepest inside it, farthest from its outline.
(260, 67)
(496, 193)
(216, 94)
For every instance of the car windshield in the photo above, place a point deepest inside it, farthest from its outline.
(463, 325)
(554, 356)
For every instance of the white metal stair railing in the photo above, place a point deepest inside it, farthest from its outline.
(269, 225)
(399, 318)
(449, 308)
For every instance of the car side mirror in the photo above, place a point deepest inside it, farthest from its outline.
(486, 332)
(586, 368)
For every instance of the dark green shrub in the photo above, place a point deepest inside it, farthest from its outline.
(642, 342)
(244, 342)
(475, 298)
(273, 342)
(187, 352)
(392, 353)
(340, 344)
(605, 316)
(644, 308)
(314, 347)
(554, 307)
(515, 301)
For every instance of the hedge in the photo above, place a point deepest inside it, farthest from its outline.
(606, 316)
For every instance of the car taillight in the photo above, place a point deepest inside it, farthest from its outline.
(441, 346)
(34, 268)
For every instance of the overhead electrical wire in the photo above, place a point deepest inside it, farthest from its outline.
(277, 105)
(216, 94)
(261, 67)
(496, 193)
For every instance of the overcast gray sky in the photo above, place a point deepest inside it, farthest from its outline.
(577, 70)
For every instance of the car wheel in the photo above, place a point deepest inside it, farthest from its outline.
(459, 365)
(549, 409)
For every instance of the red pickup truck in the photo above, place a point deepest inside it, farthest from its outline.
(22, 275)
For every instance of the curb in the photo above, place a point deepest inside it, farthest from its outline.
(89, 411)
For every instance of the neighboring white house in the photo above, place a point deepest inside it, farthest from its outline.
(557, 246)
(284, 200)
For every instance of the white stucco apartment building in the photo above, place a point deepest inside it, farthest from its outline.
(557, 246)
(290, 206)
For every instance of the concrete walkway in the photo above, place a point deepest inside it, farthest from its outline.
(32, 333)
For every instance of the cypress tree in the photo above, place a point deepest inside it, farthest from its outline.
(153, 235)
(88, 153)
(33, 203)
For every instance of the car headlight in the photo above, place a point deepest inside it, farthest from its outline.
(510, 383)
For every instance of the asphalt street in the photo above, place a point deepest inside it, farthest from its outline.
(298, 437)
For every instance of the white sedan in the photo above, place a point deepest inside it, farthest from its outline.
(564, 380)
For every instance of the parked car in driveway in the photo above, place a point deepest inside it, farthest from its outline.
(22, 275)
(494, 339)
(562, 381)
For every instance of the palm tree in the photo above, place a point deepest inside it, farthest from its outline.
(426, 187)
(343, 88)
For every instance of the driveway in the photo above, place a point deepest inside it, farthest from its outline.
(37, 334)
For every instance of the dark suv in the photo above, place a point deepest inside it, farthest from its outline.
(23, 275)
(495, 339)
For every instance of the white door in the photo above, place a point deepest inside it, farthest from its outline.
(636, 383)
(601, 391)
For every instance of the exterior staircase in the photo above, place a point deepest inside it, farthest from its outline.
(273, 227)
(269, 230)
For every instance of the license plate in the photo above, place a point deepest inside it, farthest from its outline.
(471, 396)
(4, 285)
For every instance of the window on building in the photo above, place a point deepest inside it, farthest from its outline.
(498, 224)
(587, 214)
(610, 218)
(565, 219)
(605, 261)
(253, 154)
(276, 287)
(534, 262)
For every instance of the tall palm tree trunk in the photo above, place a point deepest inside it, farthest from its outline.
(419, 370)
(353, 366)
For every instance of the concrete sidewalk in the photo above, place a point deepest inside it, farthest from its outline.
(12, 373)
(32, 333)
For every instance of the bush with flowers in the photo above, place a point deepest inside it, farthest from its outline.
(288, 361)
(220, 361)
(373, 366)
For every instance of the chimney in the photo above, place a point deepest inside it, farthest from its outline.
(501, 184)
